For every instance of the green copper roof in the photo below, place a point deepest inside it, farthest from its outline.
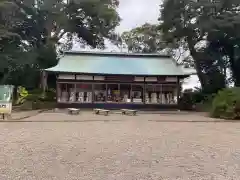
(122, 64)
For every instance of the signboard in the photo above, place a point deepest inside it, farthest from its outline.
(99, 78)
(6, 92)
(171, 79)
(139, 79)
(84, 77)
(5, 108)
(151, 79)
(66, 76)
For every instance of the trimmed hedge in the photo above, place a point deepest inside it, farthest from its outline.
(226, 104)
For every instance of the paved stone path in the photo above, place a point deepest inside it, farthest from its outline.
(131, 149)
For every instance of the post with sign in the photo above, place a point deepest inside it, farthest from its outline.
(6, 94)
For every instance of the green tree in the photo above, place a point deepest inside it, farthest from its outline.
(223, 35)
(33, 29)
(144, 39)
(188, 21)
(11, 46)
(93, 21)
(148, 38)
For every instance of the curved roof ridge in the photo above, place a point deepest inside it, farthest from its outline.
(96, 53)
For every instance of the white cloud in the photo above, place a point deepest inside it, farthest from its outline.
(137, 12)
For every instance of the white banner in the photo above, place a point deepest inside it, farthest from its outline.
(151, 79)
(99, 78)
(139, 79)
(84, 77)
(66, 76)
(171, 79)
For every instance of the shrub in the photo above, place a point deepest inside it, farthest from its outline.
(190, 98)
(22, 94)
(205, 104)
(186, 102)
(49, 95)
(36, 99)
(226, 104)
(39, 95)
(33, 97)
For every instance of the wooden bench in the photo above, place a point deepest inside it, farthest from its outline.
(73, 111)
(129, 111)
(5, 116)
(104, 111)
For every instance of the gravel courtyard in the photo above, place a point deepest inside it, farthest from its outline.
(131, 149)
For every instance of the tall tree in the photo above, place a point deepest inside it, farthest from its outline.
(38, 25)
(91, 21)
(187, 20)
(223, 34)
(11, 46)
(144, 39)
(148, 38)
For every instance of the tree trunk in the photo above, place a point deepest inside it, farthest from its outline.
(196, 57)
(5, 77)
(234, 65)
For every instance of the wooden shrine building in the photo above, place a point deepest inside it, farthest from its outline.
(117, 80)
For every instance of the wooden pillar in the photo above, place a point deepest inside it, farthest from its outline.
(106, 99)
(178, 91)
(144, 92)
(93, 93)
(58, 92)
(131, 93)
(119, 95)
(75, 91)
(161, 94)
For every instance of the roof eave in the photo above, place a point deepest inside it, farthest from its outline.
(108, 74)
(119, 54)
